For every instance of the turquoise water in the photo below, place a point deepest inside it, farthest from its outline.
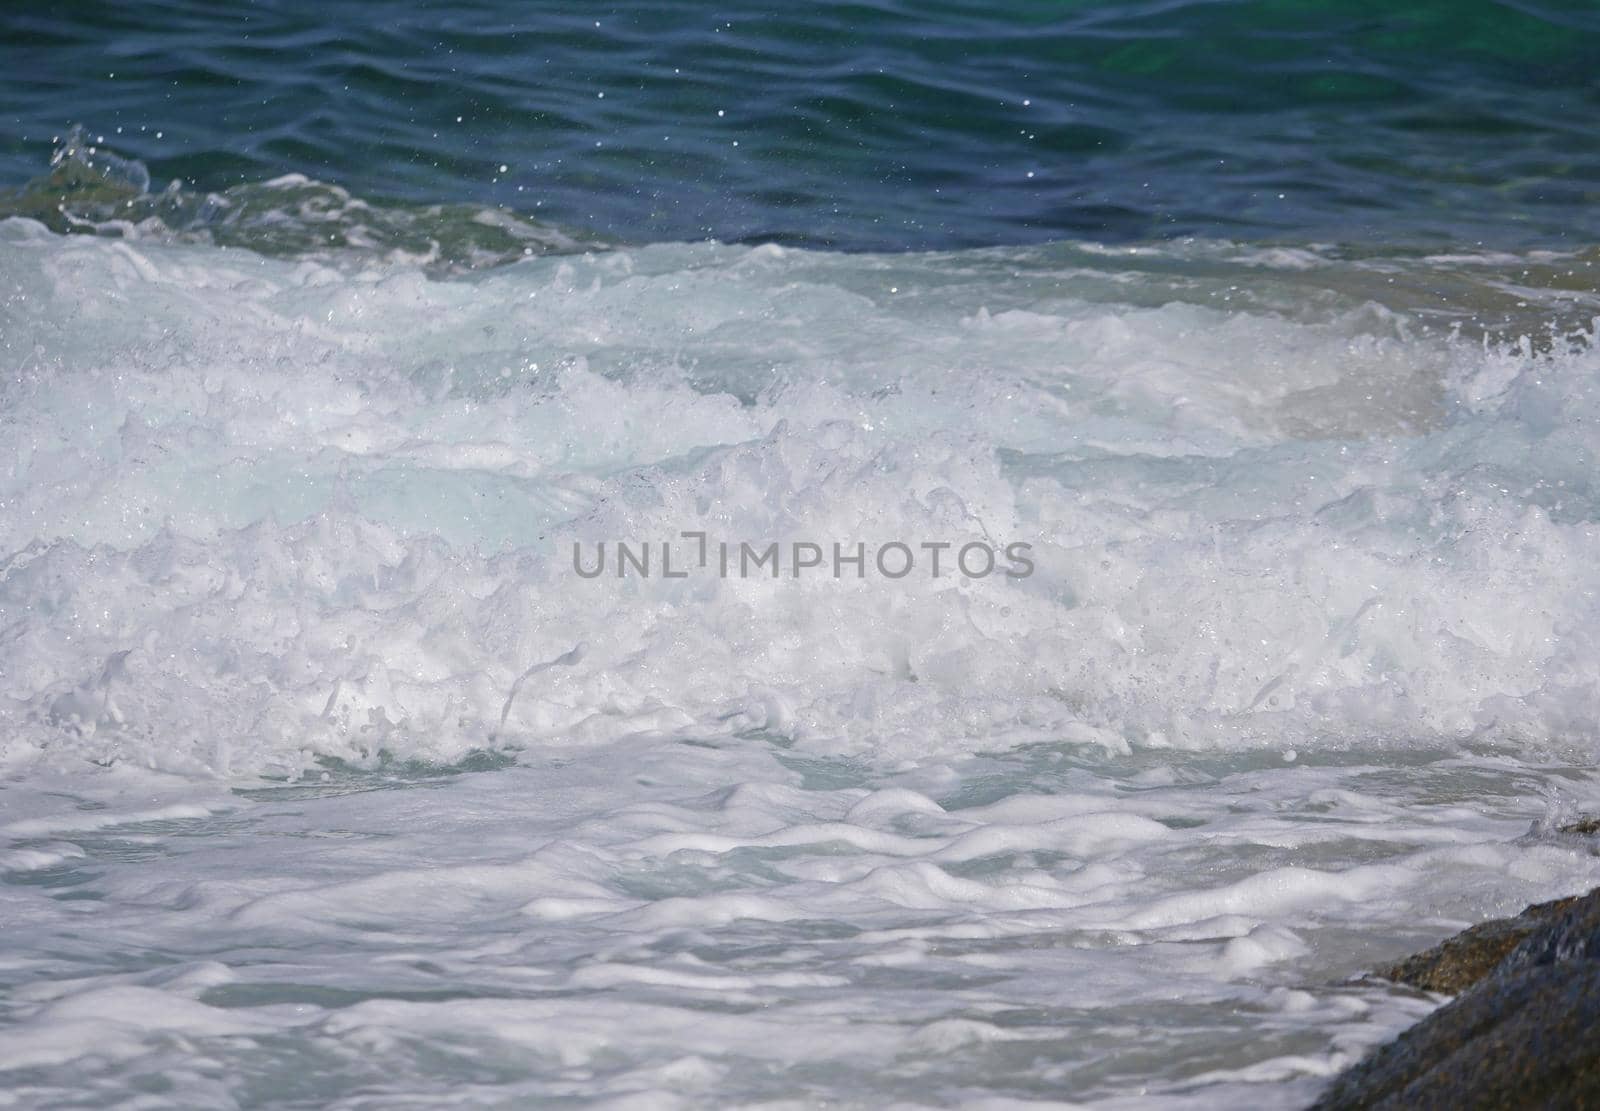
(326, 782)
(873, 125)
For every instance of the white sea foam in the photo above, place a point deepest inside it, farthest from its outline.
(261, 511)
(1308, 646)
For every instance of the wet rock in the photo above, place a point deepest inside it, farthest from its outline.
(1520, 1036)
(1457, 963)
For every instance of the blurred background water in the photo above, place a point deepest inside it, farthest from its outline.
(872, 124)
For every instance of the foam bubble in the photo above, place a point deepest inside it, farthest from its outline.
(263, 512)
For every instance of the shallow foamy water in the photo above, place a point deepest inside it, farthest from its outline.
(329, 783)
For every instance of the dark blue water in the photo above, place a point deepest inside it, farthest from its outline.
(873, 124)
(325, 781)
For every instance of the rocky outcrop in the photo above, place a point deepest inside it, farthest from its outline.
(1521, 1033)
(1458, 963)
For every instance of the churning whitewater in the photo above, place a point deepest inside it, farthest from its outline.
(384, 805)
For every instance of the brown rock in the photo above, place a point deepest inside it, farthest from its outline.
(1521, 1037)
(1454, 965)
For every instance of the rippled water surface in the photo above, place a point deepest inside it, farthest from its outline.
(857, 125)
(328, 332)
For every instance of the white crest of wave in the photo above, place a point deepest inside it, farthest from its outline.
(255, 512)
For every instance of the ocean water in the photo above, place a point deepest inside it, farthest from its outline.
(855, 124)
(327, 779)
